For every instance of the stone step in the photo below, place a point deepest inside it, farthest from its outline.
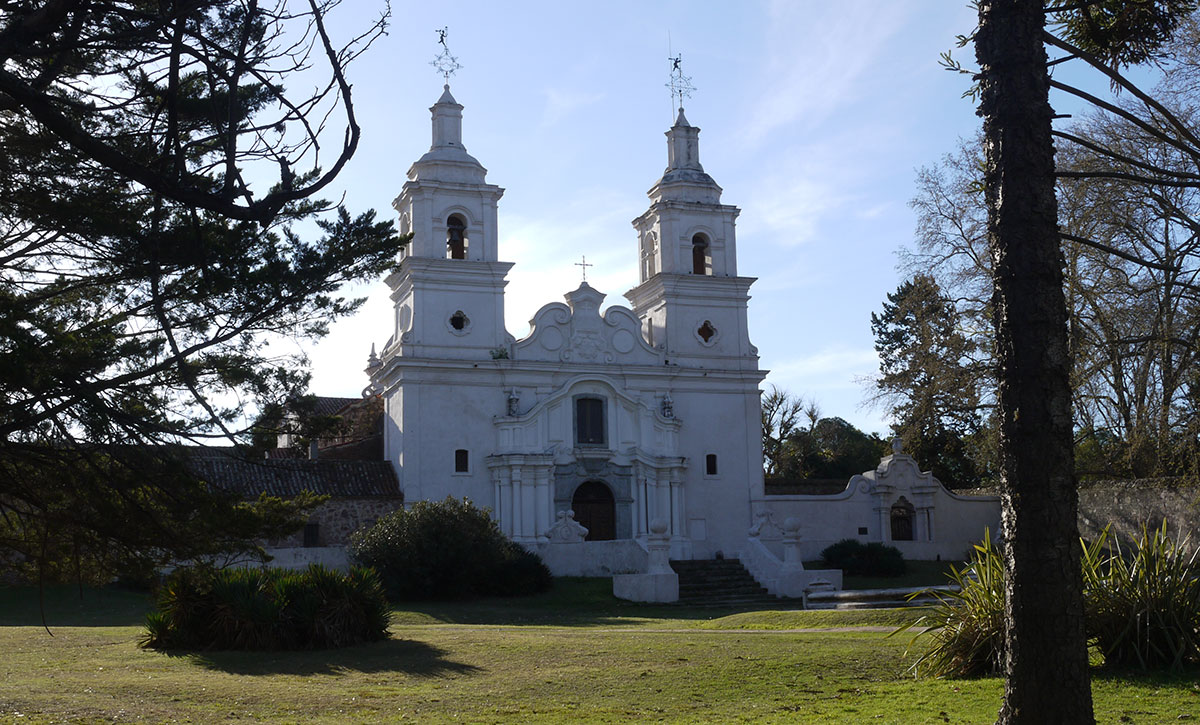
(725, 584)
(719, 583)
(716, 583)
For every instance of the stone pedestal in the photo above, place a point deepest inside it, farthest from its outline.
(659, 583)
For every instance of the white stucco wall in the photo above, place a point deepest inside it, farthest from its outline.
(945, 524)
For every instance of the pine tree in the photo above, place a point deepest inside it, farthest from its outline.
(142, 268)
(928, 378)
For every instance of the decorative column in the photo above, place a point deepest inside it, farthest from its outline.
(883, 515)
(924, 524)
(676, 505)
(544, 503)
(504, 503)
(520, 522)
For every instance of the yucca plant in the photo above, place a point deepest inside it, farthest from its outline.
(1143, 605)
(965, 627)
(267, 609)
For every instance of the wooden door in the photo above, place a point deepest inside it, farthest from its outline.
(596, 510)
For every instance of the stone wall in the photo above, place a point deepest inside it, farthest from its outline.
(338, 518)
(1127, 505)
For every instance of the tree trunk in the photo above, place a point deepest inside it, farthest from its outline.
(1046, 667)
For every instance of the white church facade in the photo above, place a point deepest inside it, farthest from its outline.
(644, 421)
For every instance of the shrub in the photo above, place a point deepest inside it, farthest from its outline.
(1143, 607)
(201, 608)
(858, 559)
(839, 555)
(966, 625)
(447, 550)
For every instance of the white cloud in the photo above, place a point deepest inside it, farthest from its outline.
(816, 60)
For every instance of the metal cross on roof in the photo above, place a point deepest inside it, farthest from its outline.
(583, 265)
(680, 85)
(445, 63)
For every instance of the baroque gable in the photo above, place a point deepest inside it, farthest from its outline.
(576, 332)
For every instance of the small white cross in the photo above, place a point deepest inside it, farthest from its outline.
(583, 265)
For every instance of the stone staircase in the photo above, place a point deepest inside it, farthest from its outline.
(722, 583)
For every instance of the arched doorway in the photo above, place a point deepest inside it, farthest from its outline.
(596, 510)
(903, 513)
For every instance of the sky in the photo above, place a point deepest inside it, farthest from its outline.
(814, 118)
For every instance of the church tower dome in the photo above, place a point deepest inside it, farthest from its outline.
(690, 299)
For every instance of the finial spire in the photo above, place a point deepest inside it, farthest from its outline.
(680, 85)
(445, 63)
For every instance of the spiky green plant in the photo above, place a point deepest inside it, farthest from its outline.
(965, 625)
(268, 609)
(1143, 604)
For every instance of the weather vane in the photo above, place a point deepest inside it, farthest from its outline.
(445, 63)
(583, 265)
(680, 85)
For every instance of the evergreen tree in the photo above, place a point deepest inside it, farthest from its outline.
(143, 271)
(929, 379)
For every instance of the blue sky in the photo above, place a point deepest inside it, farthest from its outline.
(814, 118)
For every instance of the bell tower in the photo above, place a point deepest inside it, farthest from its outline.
(449, 289)
(690, 300)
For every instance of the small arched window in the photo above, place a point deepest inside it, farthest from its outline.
(701, 255)
(456, 237)
(462, 461)
(710, 464)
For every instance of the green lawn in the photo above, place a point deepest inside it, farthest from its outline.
(573, 655)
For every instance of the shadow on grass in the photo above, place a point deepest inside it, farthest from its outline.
(572, 602)
(1185, 680)
(67, 606)
(394, 655)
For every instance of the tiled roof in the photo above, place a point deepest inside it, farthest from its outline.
(288, 477)
(326, 405)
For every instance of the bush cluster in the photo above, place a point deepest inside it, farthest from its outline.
(1141, 608)
(858, 559)
(447, 550)
(201, 608)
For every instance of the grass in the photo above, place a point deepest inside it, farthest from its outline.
(573, 655)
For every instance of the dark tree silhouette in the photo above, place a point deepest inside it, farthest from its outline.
(158, 222)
